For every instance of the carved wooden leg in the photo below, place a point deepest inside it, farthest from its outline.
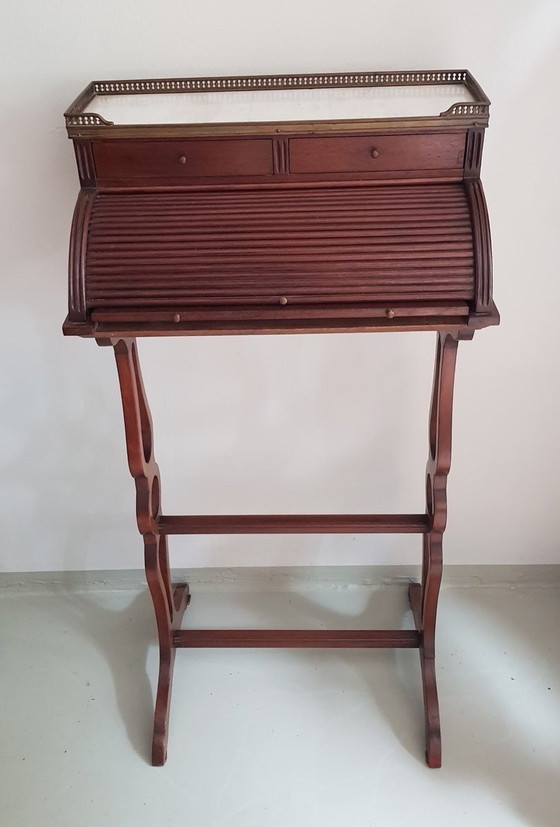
(424, 595)
(169, 601)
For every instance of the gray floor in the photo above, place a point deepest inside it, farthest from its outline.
(281, 737)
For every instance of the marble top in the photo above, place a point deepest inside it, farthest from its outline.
(258, 106)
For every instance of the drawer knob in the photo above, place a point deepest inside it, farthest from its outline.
(375, 153)
(177, 318)
(283, 300)
(390, 314)
(182, 159)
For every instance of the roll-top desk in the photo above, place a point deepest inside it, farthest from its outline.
(284, 204)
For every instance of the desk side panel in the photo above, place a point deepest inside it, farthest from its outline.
(77, 302)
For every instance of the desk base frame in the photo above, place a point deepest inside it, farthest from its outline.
(170, 600)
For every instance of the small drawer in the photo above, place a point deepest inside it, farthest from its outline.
(180, 159)
(377, 153)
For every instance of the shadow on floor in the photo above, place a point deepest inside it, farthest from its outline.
(506, 752)
(127, 637)
(484, 746)
(124, 638)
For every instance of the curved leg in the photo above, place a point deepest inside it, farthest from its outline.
(424, 596)
(169, 601)
(168, 619)
(427, 653)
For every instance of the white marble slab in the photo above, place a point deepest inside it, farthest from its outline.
(279, 105)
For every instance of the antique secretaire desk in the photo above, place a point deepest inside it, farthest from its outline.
(287, 204)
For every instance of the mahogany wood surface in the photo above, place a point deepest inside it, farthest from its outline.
(216, 229)
(424, 597)
(375, 249)
(180, 159)
(170, 601)
(370, 153)
(296, 524)
(297, 638)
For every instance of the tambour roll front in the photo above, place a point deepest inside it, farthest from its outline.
(282, 204)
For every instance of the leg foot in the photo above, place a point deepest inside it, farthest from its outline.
(162, 705)
(431, 711)
(181, 599)
(429, 686)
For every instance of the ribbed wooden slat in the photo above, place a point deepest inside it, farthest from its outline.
(377, 243)
(296, 638)
(295, 524)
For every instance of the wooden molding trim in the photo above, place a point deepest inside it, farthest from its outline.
(482, 245)
(77, 255)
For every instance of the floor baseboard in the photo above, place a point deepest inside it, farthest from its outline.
(289, 578)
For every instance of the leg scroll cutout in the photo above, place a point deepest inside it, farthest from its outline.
(169, 600)
(424, 596)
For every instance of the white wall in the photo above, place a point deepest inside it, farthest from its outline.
(292, 423)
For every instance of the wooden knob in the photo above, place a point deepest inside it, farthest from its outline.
(182, 159)
(283, 300)
(375, 153)
(390, 314)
